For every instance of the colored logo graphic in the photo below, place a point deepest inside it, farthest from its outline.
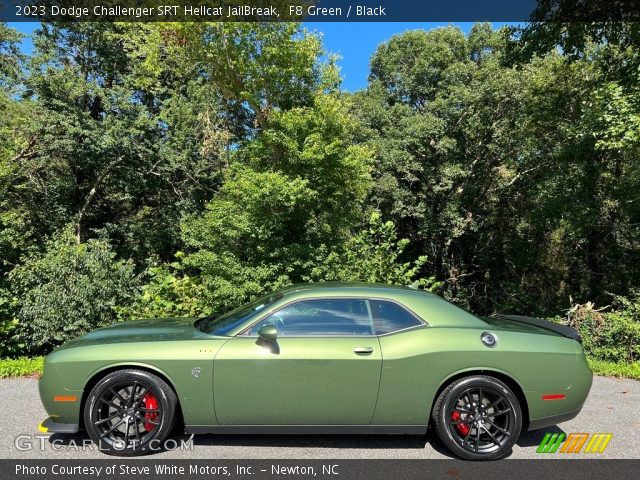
(596, 443)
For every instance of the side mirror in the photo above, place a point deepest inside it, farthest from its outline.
(268, 332)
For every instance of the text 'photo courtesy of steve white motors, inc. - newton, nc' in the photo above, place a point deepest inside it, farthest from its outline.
(168, 470)
(167, 12)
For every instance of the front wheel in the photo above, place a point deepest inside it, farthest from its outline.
(478, 418)
(130, 412)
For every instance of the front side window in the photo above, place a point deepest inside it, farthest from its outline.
(390, 317)
(320, 317)
(226, 323)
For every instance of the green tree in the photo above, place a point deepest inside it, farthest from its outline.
(299, 185)
(293, 198)
(373, 255)
(10, 56)
(514, 178)
(69, 290)
(13, 142)
(257, 67)
(116, 147)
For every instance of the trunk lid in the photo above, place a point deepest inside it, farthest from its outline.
(532, 325)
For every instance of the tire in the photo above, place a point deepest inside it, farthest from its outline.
(478, 418)
(130, 412)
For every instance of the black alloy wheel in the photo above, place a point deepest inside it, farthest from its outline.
(130, 412)
(478, 418)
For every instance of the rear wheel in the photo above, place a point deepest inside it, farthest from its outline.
(478, 418)
(130, 412)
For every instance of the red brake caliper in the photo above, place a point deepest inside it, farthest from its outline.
(462, 428)
(150, 403)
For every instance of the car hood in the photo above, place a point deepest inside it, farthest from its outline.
(149, 330)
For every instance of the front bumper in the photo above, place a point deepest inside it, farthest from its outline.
(51, 426)
(61, 404)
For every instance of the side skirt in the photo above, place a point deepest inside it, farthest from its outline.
(309, 429)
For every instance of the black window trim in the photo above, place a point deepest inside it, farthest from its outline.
(367, 299)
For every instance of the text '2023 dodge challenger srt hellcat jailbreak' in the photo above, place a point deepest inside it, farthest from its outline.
(320, 359)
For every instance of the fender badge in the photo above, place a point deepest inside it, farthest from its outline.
(196, 372)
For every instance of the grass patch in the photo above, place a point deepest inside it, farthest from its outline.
(613, 369)
(21, 367)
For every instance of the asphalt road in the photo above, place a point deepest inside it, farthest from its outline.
(612, 406)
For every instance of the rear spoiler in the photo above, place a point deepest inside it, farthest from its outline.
(564, 330)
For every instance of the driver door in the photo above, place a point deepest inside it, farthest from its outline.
(322, 369)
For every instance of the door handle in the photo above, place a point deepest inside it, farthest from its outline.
(363, 350)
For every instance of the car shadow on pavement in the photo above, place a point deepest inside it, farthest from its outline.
(314, 441)
(73, 441)
(419, 442)
(534, 437)
(81, 441)
(69, 441)
(382, 442)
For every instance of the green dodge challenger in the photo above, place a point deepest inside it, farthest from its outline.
(320, 358)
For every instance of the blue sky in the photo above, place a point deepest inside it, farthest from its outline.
(354, 42)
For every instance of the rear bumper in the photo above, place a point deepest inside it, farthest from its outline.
(553, 420)
(545, 413)
(51, 426)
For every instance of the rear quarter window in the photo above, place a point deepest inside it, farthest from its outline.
(390, 317)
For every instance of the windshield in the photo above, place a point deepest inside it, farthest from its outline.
(224, 324)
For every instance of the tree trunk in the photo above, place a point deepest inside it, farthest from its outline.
(91, 196)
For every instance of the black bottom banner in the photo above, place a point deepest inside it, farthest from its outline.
(201, 469)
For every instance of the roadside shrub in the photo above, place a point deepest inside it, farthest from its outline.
(21, 367)
(211, 281)
(8, 324)
(615, 369)
(170, 292)
(69, 290)
(609, 336)
(203, 283)
(373, 256)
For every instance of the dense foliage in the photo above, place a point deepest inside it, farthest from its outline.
(68, 290)
(612, 336)
(21, 367)
(181, 169)
(516, 179)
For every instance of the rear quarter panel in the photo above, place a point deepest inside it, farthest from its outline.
(416, 363)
